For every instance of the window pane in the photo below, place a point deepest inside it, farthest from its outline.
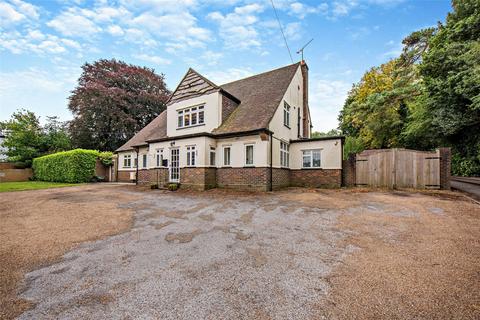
(194, 119)
(249, 155)
(193, 157)
(201, 117)
(226, 156)
(144, 160)
(316, 159)
(188, 158)
(180, 121)
(187, 120)
(306, 162)
(212, 158)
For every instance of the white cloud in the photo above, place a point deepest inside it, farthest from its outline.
(37, 42)
(17, 11)
(153, 59)
(301, 10)
(115, 30)
(73, 23)
(326, 100)
(293, 31)
(231, 74)
(237, 28)
(177, 27)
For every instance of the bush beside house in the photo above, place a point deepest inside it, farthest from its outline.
(69, 166)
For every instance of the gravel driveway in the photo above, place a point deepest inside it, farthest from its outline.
(286, 255)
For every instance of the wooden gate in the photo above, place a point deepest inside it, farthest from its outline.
(398, 168)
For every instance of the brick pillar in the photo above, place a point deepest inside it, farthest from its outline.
(348, 173)
(445, 167)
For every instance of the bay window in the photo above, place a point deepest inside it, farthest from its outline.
(159, 157)
(226, 156)
(191, 156)
(284, 154)
(212, 156)
(311, 158)
(191, 116)
(249, 154)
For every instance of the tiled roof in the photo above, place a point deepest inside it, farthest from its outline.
(259, 96)
(154, 130)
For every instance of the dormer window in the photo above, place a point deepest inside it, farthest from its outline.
(191, 117)
(286, 114)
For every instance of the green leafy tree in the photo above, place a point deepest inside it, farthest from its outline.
(24, 137)
(451, 72)
(27, 139)
(112, 102)
(331, 133)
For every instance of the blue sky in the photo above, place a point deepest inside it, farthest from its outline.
(44, 43)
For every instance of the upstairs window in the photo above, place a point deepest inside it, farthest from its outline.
(127, 161)
(249, 155)
(212, 156)
(226, 156)
(312, 158)
(191, 117)
(191, 156)
(286, 114)
(284, 154)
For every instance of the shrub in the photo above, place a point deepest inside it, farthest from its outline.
(173, 186)
(69, 166)
(106, 158)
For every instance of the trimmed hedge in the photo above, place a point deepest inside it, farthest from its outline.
(69, 166)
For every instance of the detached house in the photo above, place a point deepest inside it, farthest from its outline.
(253, 133)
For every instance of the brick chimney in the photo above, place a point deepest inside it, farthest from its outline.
(306, 114)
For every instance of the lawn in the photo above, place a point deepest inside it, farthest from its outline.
(31, 185)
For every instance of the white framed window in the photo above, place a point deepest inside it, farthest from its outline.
(159, 157)
(127, 161)
(144, 161)
(191, 117)
(312, 158)
(226, 156)
(212, 156)
(191, 156)
(249, 154)
(286, 114)
(284, 154)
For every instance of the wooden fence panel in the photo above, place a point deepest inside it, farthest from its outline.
(400, 168)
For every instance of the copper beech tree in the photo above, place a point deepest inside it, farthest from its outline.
(112, 102)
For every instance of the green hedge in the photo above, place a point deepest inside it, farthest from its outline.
(69, 166)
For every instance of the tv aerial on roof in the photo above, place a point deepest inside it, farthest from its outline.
(303, 48)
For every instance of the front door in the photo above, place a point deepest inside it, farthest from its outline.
(174, 169)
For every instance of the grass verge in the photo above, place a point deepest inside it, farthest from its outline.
(31, 185)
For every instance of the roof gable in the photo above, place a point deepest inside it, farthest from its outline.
(192, 85)
(260, 96)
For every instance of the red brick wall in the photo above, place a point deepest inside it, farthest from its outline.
(254, 178)
(316, 178)
(14, 175)
(280, 178)
(348, 172)
(197, 178)
(124, 176)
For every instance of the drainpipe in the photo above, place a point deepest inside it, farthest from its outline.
(136, 172)
(271, 162)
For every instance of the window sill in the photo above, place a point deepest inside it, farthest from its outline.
(287, 126)
(312, 168)
(194, 126)
(225, 166)
(249, 166)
